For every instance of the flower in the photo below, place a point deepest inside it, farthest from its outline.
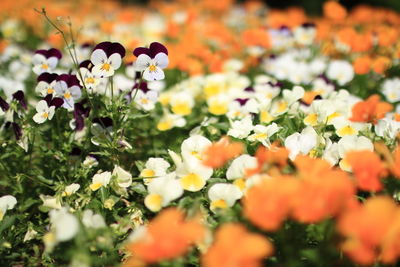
(64, 225)
(263, 133)
(241, 128)
(44, 112)
(154, 167)
(46, 83)
(237, 171)
(152, 60)
(87, 78)
(68, 88)
(124, 178)
(192, 174)
(340, 71)
(162, 191)
(167, 236)
(45, 60)
(7, 202)
(217, 154)
(106, 58)
(223, 196)
(234, 246)
(301, 143)
(194, 146)
(91, 220)
(70, 189)
(370, 110)
(367, 168)
(99, 180)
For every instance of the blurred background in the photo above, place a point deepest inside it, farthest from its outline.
(312, 7)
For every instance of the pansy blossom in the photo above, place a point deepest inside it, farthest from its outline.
(68, 88)
(152, 60)
(106, 58)
(45, 60)
(44, 112)
(46, 83)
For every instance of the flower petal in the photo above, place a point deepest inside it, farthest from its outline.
(98, 56)
(115, 60)
(161, 60)
(142, 62)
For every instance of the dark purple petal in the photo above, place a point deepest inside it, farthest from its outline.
(4, 105)
(242, 101)
(249, 89)
(141, 50)
(103, 121)
(156, 48)
(52, 52)
(80, 109)
(17, 130)
(41, 52)
(47, 77)
(70, 80)
(142, 86)
(308, 25)
(87, 64)
(111, 48)
(20, 97)
(48, 99)
(57, 102)
(118, 48)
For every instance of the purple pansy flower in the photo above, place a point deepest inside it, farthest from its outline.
(152, 60)
(106, 58)
(20, 97)
(86, 77)
(45, 60)
(68, 88)
(80, 112)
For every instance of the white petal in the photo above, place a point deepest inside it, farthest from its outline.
(76, 92)
(161, 60)
(51, 112)
(156, 75)
(98, 71)
(42, 106)
(38, 118)
(115, 60)
(52, 62)
(142, 62)
(98, 56)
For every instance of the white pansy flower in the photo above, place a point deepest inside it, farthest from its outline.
(92, 220)
(99, 180)
(44, 112)
(70, 189)
(237, 169)
(162, 191)
(124, 178)
(154, 167)
(7, 202)
(50, 202)
(391, 89)
(64, 225)
(241, 128)
(223, 196)
(387, 128)
(301, 143)
(192, 174)
(340, 71)
(194, 146)
(263, 133)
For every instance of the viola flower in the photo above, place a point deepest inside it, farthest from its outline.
(154, 167)
(123, 178)
(68, 88)
(241, 128)
(192, 174)
(301, 143)
(194, 146)
(92, 220)
(223, 196)
(162, 191)
(145, 98)
(263, 133)
(87, 78)
(6, 203)
(45, 60)
(70, 189)
(237, 171)
(99, 180)
(80, 112)
(250, 248)
(106, 58)
(44, 112)
(152, 60)
(46, 84)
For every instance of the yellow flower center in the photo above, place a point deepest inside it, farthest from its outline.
(192, 182)
(152, 68)
(105, 67)
(346, 130)
(45, 115)
(197, 155)
(266, 117)
(67, 95)
(90, 80)
(311, 119)
(240, 183)
(218, 108)
(147, 173)
(164, 125)
(50, 90)
(45, 66)
(260, 136)
(218, 204)
(144, 101)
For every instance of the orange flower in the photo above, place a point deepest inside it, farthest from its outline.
(219, 153)
(268, 204)
(167, 236)
(380, 64)
(256, 37)
(395, 166)
(370, 110)
(362, 65)
(366, 228)
(335, 11)
(234, 246)
(322, 191)
(367, 168)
